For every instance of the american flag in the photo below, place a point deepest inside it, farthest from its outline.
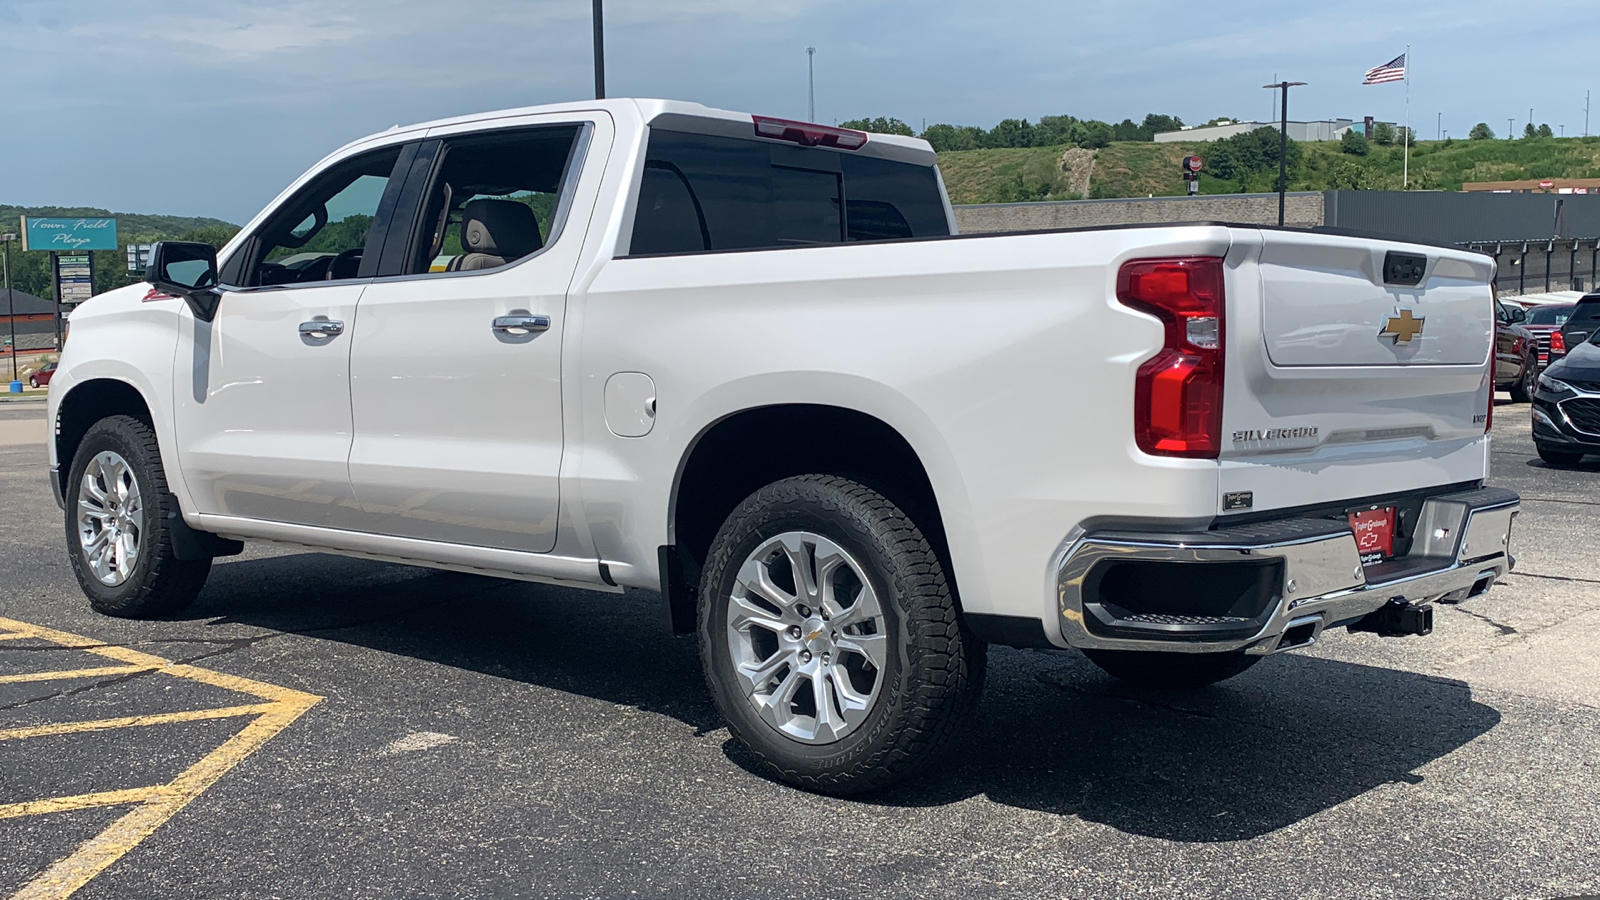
(1393, 70)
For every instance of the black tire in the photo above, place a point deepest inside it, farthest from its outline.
(159, 583)
(934, 668)
(1171, 671)
(33, 382)
(1558, 457)
(1522, 388)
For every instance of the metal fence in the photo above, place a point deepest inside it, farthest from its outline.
(1541, 267)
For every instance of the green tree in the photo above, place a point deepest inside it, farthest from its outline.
(1096, 134)
(1126, 130)
(1056, 130)
(1220, 120)
(1545, 132)
(1383, 133)
(1353, 143)
(1481, 132)
(1528, 131)
(1350, 175)
(953, 137)
(1243, 156)
(1011, 133)
(1155, 124)
(880, 125)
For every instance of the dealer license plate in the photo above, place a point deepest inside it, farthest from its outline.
(1374, 531)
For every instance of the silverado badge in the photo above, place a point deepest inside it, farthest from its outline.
(1402, 328)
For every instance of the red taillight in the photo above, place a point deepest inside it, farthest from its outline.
(1558, 343)
(1177, 406)
(809, 135)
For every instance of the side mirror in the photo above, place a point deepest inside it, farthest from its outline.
(1518, 315)
(187, 270)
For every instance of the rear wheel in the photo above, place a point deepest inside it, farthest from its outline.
(1558, 457)
(1522, 388)
(830, 638)
(1171, 671)
(118, 527)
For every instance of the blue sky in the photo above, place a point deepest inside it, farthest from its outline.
(209, 107)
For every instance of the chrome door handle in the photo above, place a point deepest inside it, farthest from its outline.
(320, 328)
(521, 324)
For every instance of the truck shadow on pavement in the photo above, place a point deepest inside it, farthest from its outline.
(1297, 735)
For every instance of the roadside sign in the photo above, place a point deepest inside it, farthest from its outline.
(1547, 185)
(68, 235)
(75, 275)
(139, 257)
(1192, 163)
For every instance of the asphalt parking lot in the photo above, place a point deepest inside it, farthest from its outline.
(317, 726)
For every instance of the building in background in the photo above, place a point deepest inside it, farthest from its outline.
(35, 323)
(1322, 130)
(1537, 186)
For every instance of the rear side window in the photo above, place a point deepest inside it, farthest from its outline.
(1586, 313)
(703, 193)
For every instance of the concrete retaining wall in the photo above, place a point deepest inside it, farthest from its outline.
(1303, 210)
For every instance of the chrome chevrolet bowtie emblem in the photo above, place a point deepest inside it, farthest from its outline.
(1402, 328)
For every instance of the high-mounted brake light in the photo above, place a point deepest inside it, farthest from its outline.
(1177, 407)
(808, 135)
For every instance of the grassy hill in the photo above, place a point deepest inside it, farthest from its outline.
(1137, 169)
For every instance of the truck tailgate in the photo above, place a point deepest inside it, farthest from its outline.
(1343, 380)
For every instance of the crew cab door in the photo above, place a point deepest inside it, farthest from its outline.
(456, 371)
(262, 405)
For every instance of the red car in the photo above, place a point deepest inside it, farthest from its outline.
(42, 377)
(1544, 320)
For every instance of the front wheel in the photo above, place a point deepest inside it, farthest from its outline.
(830, 637)
(118, 519)
(1171, 671)
(1558, 457)
(33, 382)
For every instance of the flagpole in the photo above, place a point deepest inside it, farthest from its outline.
(1405, 170)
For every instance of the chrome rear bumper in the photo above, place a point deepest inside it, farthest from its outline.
(1462, 546)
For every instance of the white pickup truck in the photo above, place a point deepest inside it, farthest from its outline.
(747, 362)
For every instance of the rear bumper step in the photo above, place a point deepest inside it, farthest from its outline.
(1276, 585)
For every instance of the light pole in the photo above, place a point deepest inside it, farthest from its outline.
(811, 84)
(1509, 133)
(599, 53)
(1438, 127)
(11, 306)
(1283, 142)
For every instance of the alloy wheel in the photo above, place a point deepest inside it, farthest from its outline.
(808, 638)
(110, 518)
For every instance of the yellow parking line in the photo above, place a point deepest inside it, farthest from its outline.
(80, 801)
(155, 804)
(72, 673)
(12, 637)
(190, 715)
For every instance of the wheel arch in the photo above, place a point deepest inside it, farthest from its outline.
(716, 472)
(89, 401)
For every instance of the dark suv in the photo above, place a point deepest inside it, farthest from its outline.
(1583, 322)
(1516, 352)
(1566, 405)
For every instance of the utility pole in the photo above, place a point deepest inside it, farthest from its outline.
(1530, 117)
(1438, 127)
(1585, 113)
(1283, 143)
(11, 303)
(599, 52)
(1509, 125)
(811, 84)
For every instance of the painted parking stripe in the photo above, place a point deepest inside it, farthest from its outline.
(152, 805)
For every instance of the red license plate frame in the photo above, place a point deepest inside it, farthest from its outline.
(1374, 534)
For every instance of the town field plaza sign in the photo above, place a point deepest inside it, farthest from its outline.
(68, 235)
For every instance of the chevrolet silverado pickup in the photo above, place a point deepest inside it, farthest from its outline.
(749, 363)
